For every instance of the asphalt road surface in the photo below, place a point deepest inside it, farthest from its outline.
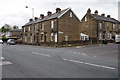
(22, 61)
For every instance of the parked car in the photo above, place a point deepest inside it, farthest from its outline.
(11, 42)
(19, 41)
(117, 38)
(1, 42)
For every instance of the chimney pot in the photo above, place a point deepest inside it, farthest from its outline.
(30, 20)
(35, 18)
(58, 10)
(49, 13)
(108, 16)
(96, 12)
(89, 11)
(103, 15)
(41, 16)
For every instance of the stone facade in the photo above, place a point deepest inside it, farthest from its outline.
(15, 34)
(53, 29)
(64, 27)
(99, 27)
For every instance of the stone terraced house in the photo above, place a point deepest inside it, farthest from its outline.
(54, 29)
(63, 28)
(98, 27)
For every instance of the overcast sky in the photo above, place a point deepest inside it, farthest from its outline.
(13, 12)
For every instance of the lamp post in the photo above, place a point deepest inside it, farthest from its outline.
(32, 11)
(32, 24)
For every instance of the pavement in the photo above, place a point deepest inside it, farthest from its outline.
(19, 61)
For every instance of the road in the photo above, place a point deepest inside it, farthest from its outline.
(23, 61)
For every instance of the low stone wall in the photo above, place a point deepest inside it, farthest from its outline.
(69, 43)
(65, 43)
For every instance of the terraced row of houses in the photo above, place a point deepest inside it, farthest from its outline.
(64, 27)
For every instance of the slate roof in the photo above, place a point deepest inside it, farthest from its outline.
(52, 16)
(48, 17)
(19, 30)
(102, 18)
(29, 23)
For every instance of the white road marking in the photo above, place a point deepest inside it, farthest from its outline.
(96, 65)
(2, 58)
(65, 59)
(78, 46)
(80, 53)
(5, 63)
(35, 53)
(45, 55)
(41, 54)
(84, 54)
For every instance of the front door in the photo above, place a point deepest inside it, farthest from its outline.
(55, 37)
(45, 37)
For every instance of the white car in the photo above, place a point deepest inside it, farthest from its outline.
(11, 42)
(117, 38)
(1, 42)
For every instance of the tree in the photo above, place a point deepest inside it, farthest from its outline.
(7, 26)
(3, 29)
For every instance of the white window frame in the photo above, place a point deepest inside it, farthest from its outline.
(29, 28)
(24, 29)
(100, 25)
(35, 27)
(86, 25)
(114, 26)
(107, 24)
(66, 38)
(110, 35)
(52, 24)
(85, 18)
(56, 37)
(42, 26)
(71, 14)
(51, 37)
(42, 37)
(100, 36)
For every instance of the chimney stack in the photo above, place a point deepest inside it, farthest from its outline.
(58, 10)
(49, 13)
(30, 20)
(108, 16)
(103, 15)
(41, 16)
(96, 12)
(89, 11)
(35, 18)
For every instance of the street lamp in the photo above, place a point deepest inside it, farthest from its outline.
(32, 11)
